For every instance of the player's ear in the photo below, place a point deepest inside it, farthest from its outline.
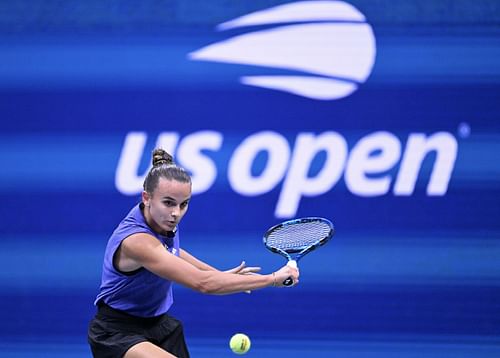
(146, 198)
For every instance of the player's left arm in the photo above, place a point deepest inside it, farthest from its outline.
(241, 269)
(186, 256)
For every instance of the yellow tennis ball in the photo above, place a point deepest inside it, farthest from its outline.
(240, 343)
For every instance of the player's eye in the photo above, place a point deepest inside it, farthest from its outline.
(169, 203)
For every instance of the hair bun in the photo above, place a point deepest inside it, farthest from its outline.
(161, 157)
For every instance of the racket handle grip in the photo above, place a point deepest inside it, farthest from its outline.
(289, 280)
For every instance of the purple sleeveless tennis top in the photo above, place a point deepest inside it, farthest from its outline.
(139, 293)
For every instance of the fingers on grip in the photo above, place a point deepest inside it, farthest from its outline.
(289, 280)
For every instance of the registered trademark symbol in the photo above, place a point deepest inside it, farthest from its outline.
(464, 130)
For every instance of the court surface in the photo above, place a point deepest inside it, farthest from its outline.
(262, 348)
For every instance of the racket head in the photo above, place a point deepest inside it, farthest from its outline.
(294, 238)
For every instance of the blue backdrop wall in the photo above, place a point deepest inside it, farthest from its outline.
(382, 116)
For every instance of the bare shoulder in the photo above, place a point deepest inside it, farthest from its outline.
(132, 249)
(139, 244)
(144, 250)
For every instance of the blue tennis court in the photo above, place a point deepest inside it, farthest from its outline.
(202, 348)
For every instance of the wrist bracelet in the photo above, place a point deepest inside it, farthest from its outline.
(274, 279)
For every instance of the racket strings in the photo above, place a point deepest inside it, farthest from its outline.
(298, 236)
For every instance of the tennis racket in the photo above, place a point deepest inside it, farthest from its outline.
(293, 239)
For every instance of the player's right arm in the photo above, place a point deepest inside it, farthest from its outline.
(143, 250)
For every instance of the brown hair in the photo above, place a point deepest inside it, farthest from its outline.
(164, 167)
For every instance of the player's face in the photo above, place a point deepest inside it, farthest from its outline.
(167, 205)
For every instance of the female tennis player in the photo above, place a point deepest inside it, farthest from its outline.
(142, 259)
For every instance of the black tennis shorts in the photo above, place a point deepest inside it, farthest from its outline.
(112, 333)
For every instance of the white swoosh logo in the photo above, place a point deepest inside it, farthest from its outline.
(331, 51)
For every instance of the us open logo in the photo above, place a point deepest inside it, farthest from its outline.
(323, 50)
(326, 48)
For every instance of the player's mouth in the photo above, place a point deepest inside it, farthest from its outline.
(171, 224)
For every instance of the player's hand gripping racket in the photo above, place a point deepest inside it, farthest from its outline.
(295, 238)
